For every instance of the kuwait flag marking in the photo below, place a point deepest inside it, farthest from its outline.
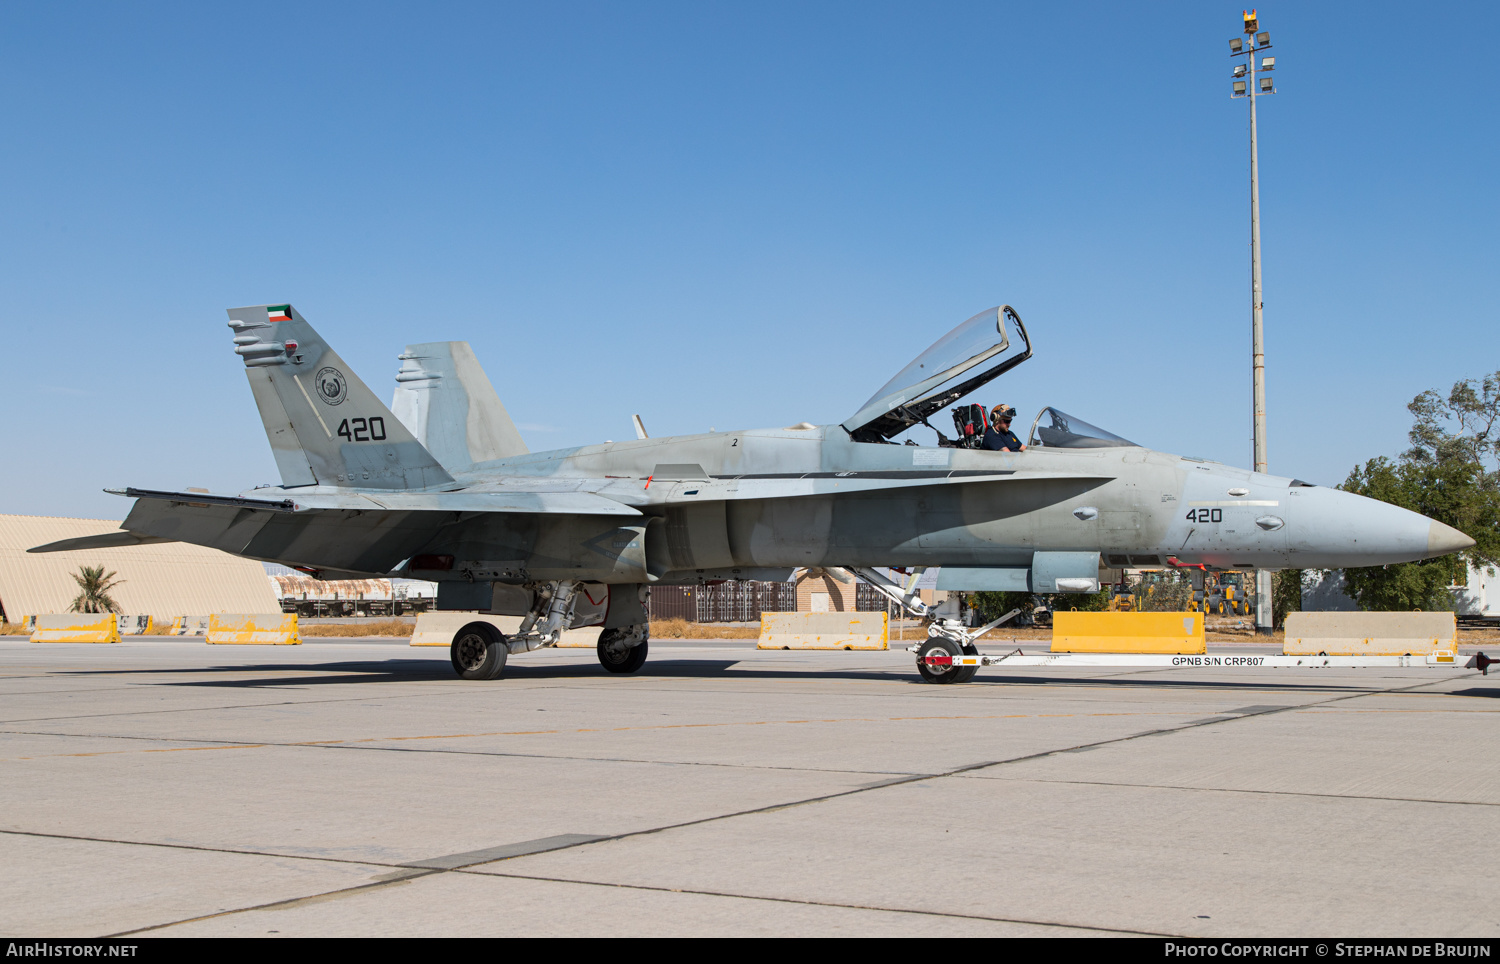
(279, 312)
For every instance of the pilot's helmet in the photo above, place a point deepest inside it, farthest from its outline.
(1001, 411)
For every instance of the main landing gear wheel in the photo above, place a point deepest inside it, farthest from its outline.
(478, 652)
(943, 673)
(616, 656)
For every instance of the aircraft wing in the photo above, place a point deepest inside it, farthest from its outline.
(540, 503)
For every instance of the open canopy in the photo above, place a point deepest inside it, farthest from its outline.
(970, 355)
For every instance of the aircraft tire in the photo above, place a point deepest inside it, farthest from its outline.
(966, 673)
(633, 659)
(939, 647)
(478, 652)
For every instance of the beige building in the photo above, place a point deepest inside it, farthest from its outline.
(159, 579)
(818, 592)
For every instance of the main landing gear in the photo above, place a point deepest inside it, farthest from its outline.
(479, 650)
(623, 650)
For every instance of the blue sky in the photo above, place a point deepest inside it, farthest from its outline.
(732, 216)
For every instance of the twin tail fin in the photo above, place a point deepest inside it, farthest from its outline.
(325, 425)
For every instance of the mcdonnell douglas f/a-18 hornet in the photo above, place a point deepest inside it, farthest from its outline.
(440, 487)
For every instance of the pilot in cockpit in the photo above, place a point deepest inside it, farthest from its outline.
(998, 437)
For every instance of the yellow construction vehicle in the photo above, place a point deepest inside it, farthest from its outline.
(1228, 593)
(1121, 600)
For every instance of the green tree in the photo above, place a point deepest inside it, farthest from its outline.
(993, 605)
(1286, 595)
(1165, 591)
(1449, 474)
(95, 585)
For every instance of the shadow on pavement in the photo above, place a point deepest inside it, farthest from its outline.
(427, 670)
(407, 670)
(1475, 691)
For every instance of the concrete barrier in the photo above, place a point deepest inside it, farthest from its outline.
(1075, 632)
(1370, 634)
(76, 628)
(134, 625)
(256, 629)
(438, 629)
(846, 630)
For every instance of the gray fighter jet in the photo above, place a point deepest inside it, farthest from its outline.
(443, 489)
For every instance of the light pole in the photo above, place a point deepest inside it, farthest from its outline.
(1250, 82)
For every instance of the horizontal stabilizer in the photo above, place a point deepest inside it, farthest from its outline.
(105, 540)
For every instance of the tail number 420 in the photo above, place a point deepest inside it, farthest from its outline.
(1205, 515)
(363, 429)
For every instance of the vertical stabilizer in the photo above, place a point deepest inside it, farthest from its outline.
(326, 427)
(445, 399)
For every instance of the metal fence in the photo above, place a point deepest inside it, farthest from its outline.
(727, 602)
(743, 602)
(867, 599)
(315, 608)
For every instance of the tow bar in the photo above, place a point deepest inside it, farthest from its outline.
(938, 662)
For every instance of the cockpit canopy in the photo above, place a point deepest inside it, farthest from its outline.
(976, 352)
(1055, 429)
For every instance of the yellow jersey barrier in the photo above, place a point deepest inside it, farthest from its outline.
(847, 630)
(1370, 634)
(76, 628)
(1128, 632)
(270, 629)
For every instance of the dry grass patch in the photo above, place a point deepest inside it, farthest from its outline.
(379, 627)
(13, 629)
(682, 629)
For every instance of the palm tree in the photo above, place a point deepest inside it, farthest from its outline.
(96, 584)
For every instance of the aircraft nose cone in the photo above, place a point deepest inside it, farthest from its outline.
(1443, 539)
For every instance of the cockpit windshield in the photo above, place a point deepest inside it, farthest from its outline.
(1055, 429)
(955, 365)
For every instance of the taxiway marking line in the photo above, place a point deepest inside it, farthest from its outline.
(161, 749)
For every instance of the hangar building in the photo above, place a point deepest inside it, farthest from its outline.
(160, 579)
